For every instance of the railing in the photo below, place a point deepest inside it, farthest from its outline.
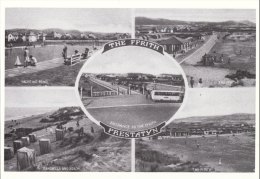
(104, 93)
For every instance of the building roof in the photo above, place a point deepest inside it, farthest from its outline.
(173, 41)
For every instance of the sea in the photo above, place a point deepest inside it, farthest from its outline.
(16, 113)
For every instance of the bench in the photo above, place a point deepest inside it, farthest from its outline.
(73, 60)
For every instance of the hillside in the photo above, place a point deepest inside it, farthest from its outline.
(160, 21)
(73, 32)
(233, 118)
(84, 147)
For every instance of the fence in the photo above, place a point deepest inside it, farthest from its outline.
(104, 93)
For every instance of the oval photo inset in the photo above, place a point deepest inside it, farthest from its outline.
(131, 90)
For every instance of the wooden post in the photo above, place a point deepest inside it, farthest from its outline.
(25, 158)
(81, 89)
(129, 90)
(45, 146)
(32, 138)
(9, 153)
(25, 141)
(17, 144)
(117, 90)
(91, 91)
(59, 134)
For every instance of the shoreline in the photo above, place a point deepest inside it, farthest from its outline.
(27, 116)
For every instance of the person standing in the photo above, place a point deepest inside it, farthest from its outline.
(200, 83)
(85, 54)
(26, 57)
(191, 82)
(64, 52)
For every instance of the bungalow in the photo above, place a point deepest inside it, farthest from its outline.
(92, 36)
(31, 37)
(42, 37)
(53, 35)
(57, 35)
(22, 37)
(180, 132)
(12, 36)
(169, 30)
(197, 36)
(174, 45)
(83, 36)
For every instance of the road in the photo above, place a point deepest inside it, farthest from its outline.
(193, 58)
(211, 76)
(131, 113)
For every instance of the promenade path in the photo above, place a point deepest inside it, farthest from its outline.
(122, 90)
(45, 65)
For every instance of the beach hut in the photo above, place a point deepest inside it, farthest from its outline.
(9, 153)
(32, 138)
(17, 144)
(25, 141)
(26, 159)
(59, 134)
(45, 146)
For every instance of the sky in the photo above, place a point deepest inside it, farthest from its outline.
(40, 97)
(96, 20)
(131, 59)
(212, 15)
(222, 101)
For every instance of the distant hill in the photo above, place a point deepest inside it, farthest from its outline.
(149, 21)
(73, 32)
(233, 118)
(160, 21)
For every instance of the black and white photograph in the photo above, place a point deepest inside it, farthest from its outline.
(215, 132)
(48, 46)
(131, 88)
(215, 47)
(51, 133)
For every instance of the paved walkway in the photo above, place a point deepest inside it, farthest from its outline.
(45, 65)
(122, 90)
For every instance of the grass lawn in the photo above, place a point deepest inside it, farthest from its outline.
(231, 49)
(237, 153)
(60, 76)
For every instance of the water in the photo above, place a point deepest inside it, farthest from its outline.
(43, 53)
(13, 113)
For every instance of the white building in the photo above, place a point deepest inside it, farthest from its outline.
(31, 37)
(12, 36)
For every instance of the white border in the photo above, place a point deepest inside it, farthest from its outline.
(209, 4)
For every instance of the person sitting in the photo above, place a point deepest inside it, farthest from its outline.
(85, 54)
(67, 61)
(33, 60)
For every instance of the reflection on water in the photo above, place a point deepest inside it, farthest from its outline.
(42, 53)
